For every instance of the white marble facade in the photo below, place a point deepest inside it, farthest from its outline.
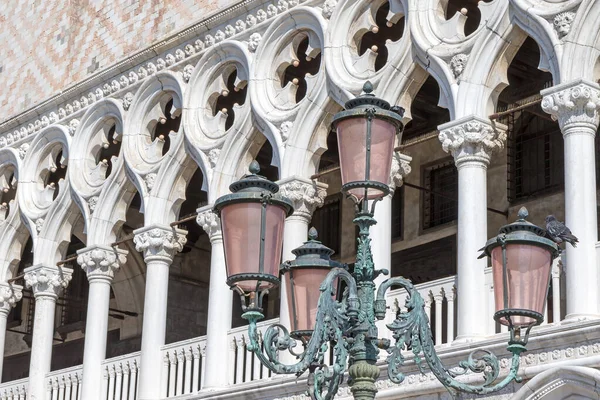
(258, 39)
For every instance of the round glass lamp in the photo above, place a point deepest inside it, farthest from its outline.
(366, 132)
(521, 258)
(304, 277)
(252, 219)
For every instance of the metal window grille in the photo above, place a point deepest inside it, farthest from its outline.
(398, 214)
(440, 204)
(535, 154)
(326, 221)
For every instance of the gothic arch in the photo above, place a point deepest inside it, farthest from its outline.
(561, 383)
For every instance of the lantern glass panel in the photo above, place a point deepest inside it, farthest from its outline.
(241, 224)
(528, 273)
(303, 291)
(352, 138)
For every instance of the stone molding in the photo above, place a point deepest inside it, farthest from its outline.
(10, 295)
(159, 242)
(573, 103)
(306, 195)
(210, 222)
(472, 139)
(47, 281)
(101, 262)
(400, 169)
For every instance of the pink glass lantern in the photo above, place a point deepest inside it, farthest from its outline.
(252, 219)
(521, 258)
(366, 133)
(304, 276)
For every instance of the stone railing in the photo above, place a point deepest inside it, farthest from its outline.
(120, 377)
(64, 384)
(183, 367)
(15, 390)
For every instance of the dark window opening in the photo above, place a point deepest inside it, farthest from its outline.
(470, 9)
(57, 172)
(229, 98)
(377, 38)
(304, 65)
(427, 262)
(440, 204)
(111, 148)
(398, 214)
(426, 114)
(330, 158)
(167, 123)
(264, 158)
(327, 222)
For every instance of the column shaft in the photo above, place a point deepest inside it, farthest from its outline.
(581, 218)
(9, 296)
(41, 346)
(154, 328)
(381, 247)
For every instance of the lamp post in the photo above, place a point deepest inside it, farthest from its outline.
(521, 258)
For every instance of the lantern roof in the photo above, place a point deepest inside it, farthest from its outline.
(312, 254)
(254, 188)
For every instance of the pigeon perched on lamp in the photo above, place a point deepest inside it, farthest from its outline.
(558, 232)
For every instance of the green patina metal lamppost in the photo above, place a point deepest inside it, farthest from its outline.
(252, 219)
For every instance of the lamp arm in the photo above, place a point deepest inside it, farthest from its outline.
(334, 319)
(411, 329)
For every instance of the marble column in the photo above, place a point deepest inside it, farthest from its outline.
(471, 141)
(159, 245)
(575, 105)
(47, 282)
(10, 295)
(381, 233)
(220, 304)
(306, 196)
(100, 264)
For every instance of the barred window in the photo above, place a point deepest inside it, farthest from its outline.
(535, 155)
(440, 204)
(398, 214)
(326, 221)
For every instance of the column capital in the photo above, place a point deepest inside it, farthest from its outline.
(101, 262)
(472, 139)
(159, 242)
(10, 295)
(210, 222)
(47, 281)
(305, 194)
(400, 169)
(574, 103)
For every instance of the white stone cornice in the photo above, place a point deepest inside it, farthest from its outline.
(159, 242)
(210, 222)
(47, 281)
(573, 103)
(472, 139)
(101, 262)
(306, 195)
(10, 295)
(400, 169)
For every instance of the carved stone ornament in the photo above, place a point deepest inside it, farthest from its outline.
(10, 295)
(73, 124)
(158, 241)
(149, 179)
(100, 262)
(400, 169)
(47, 281)
(23, 150)
(92, 203)
(573, 103)
(187, 72)
(254, 41)
(210, 222)
(471, 139)
(305, 195)
(285, 128)
(562, 23)
(39, 224)
(127, 99)
(213, 156)
(458, 63)
(329, 7)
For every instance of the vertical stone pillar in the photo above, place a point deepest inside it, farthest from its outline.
(306, 196)
(575, 105)
(381, 233)
(471, 141)
(47, 283)
(159, 245)
(10, 295)
(100, 264)
(219, 305)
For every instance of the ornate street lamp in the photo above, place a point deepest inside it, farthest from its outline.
(521, 259)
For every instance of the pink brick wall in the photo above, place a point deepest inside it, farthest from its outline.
(48, 45)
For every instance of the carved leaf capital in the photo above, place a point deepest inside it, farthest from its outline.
(10, 295)
(101, 262)
(47, 281)
(210, 222)
(159, 241)
(570, 104)
(305, 195)
(471, 139)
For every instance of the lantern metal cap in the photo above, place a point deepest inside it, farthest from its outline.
(253, 187)
(312, 254)
(520, 232)
(367, 101)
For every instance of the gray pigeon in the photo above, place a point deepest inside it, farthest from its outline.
(558, 232)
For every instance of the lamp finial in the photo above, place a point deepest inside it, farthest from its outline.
(523, 213)
(312, 234)
(254, 167)
(368, 87)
